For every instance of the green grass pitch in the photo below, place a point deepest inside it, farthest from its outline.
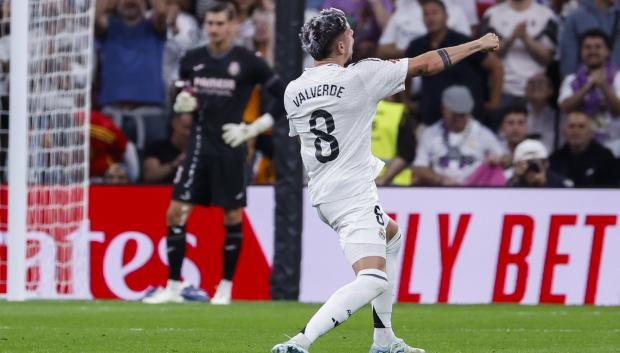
(254, 327)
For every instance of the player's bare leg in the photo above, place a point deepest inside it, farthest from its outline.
(371, 280)
(177, 215)
(232, 248)
(385, 341)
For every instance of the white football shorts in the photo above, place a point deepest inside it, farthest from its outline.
(360, 224)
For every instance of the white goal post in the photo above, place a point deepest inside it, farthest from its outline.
(44, 225)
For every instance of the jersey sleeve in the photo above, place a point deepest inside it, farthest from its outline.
(382, 78)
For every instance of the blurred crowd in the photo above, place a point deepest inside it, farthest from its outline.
(542, 111)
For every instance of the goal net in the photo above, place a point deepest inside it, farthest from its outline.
(51, 160)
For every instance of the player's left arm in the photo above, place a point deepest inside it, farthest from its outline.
(236, 134)
(434, 62)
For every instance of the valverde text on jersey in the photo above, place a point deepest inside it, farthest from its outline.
(318, 91)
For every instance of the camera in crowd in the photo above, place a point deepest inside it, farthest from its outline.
(531, 167)
(535, 166)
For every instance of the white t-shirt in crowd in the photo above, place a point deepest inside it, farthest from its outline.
(407, 24)
(456, 155)
(519, 64)
(331, 108)
(607, 127)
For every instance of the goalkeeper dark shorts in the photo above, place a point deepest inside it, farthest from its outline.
(211, 180)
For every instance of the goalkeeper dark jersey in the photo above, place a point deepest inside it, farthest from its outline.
(223, 84)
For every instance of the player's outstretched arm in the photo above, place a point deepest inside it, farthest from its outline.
(435, 61)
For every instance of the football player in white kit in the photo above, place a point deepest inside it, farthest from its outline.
(331, 107)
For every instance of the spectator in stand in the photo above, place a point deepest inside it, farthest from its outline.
(246, 28)
(132, 49)
(161, 158)
(470, 71)
(264, 37)
(542, 117)
(529, 35)
(393, 141)
(452, 149)
(183, 33)
(531, 167)
(583, 159)
(595, 87)
(113, 159)
(513, 131)
(599, 14)
(406, 24)
(367, 18)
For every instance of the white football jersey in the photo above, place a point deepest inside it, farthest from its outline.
(331, 108)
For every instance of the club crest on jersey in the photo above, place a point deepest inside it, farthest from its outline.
(234, 68)
(382, 233)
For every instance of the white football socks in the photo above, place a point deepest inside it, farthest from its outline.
(342, 304)
(382, 305)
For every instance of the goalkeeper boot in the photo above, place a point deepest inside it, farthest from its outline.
(223, 293)
(170, 294)
(288, 347)
(398, 346)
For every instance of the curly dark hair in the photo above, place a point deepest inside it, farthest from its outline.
(318, 34)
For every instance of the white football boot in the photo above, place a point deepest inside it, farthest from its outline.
(398, 346)
(223, 293)
(170, 294)
(288, 347)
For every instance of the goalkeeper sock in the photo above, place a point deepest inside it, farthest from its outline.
(232, 248)
(382, 305)
(342, 304)
(175, 242)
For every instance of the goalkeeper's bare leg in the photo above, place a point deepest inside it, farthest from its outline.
(177, 215)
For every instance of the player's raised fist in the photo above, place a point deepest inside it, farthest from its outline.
(489, 42)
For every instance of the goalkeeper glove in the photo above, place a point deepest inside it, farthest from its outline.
(236, 134)
(185, 102)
